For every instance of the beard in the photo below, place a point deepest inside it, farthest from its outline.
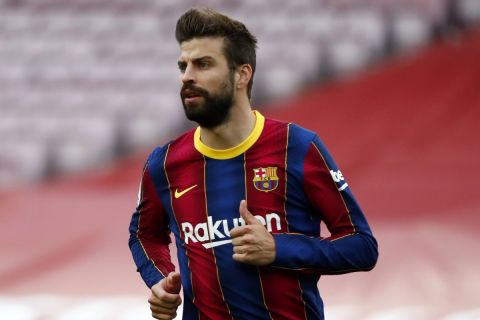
(215, 108)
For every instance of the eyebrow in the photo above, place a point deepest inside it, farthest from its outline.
(182, 62)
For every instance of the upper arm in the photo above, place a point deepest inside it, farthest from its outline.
(329, 194)
(153, 220)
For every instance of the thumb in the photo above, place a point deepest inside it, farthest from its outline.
(247, 215)
(173, 283)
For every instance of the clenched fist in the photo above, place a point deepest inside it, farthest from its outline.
(252, 243)
(165, 297)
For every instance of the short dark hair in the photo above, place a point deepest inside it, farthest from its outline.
(239, 43)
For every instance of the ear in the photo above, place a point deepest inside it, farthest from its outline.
(243, 74)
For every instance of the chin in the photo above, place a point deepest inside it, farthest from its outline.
(193, 111)
(193, 104)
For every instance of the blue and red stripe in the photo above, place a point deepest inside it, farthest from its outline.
(149, 246)
(282, 291)
(161, 181)
(240, 282)
(206, 290)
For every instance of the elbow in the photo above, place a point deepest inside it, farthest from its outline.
(370, 252)
(366, 253)
(133, 240)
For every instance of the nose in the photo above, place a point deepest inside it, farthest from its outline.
(188, 75)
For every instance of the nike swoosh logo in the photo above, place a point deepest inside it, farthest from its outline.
(216, 243)
(181, 193)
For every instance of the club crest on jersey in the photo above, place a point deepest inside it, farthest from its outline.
(265, 179)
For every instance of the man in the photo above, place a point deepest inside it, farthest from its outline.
(243, 195)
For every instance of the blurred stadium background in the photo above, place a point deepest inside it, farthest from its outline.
(89, 87)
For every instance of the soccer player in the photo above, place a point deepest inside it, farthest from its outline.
(243, 195)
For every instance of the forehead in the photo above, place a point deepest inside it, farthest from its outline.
(201, 47)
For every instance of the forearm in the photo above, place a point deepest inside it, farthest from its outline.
(152, 269)
(354, 252)
(352, 246)
(149, 234)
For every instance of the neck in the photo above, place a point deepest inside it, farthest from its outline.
(235, 130)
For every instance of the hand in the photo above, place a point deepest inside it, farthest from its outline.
(252, 243)
(165, 297)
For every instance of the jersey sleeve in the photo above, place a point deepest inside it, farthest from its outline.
(149, 233)
(351, 246)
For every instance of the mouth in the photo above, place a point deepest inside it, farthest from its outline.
(191, 95)
(192, 101)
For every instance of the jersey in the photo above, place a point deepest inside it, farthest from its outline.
(290, 183)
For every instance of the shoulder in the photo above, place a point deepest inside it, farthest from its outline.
(300, 134)
(297, 134)
(158, 155)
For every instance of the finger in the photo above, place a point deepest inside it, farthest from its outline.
(161, 316)
(242, 249)
(247, 215)
(238, 241)
(239, 231)
(163, 309)
(240, 257)
(173, 283)
(158, 302)
(248, 238)
(161, 296)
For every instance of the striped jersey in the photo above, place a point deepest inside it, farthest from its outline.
(291, 184)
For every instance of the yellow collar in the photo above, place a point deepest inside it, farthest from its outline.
(229, 153)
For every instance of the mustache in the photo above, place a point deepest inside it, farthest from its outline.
(191, 89)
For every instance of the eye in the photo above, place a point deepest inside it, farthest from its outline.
(182, 67)
(204, 65)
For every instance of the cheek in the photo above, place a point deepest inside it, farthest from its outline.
(212, 84)
(213, 81)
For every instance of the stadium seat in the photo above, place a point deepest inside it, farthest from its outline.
(98, 58)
